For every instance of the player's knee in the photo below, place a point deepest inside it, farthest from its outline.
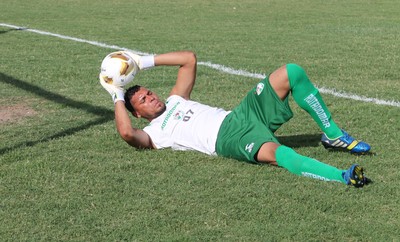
(296, 74)
(266, 153)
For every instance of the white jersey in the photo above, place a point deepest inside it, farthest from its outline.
(186, 125)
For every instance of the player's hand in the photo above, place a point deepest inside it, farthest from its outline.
(143, 62)
(135, 57)
(117, 93)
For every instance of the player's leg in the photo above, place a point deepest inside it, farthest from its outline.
(275, 154)
(279, 81)
(292, 77)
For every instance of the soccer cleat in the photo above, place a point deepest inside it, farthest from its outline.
(355, 176)
(345, 142)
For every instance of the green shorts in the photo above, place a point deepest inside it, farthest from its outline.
(252, 123)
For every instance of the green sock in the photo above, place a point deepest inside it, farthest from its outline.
(309, 99)
(305, 166)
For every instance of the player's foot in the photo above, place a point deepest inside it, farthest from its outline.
(355, 176)
(345, 142)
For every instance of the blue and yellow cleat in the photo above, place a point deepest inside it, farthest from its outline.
(345, 143)
(355, 176)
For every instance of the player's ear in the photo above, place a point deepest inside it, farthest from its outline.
(136, 114)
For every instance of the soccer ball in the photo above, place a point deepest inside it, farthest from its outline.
(118, 68)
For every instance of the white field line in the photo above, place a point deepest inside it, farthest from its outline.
(217, 67)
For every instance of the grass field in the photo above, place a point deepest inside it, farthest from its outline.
(65, 175)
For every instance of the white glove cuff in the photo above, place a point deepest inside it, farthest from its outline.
(146, 62)
(118, 95)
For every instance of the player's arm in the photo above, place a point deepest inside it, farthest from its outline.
(187, 62)
(134, 137)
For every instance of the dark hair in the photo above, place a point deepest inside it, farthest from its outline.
(128, 95)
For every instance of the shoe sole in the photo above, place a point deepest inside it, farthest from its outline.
(358, 179)
(330, 147)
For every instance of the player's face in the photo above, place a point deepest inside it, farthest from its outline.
(147, 104)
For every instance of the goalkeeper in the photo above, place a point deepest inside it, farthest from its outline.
(245, 133)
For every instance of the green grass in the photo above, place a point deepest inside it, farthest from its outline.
(66, 175)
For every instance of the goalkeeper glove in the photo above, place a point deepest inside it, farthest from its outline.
(144, 62)
(117, 93)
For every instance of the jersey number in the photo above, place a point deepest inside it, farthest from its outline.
(188, 115)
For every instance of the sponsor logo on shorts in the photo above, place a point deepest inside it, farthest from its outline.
(259, 88)
(249, 147)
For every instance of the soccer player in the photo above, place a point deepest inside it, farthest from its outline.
(245, 133)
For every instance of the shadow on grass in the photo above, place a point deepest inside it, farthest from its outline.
(54, 97)
(64, 133)
(9, 30)
(104, 114)
(302, 140)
